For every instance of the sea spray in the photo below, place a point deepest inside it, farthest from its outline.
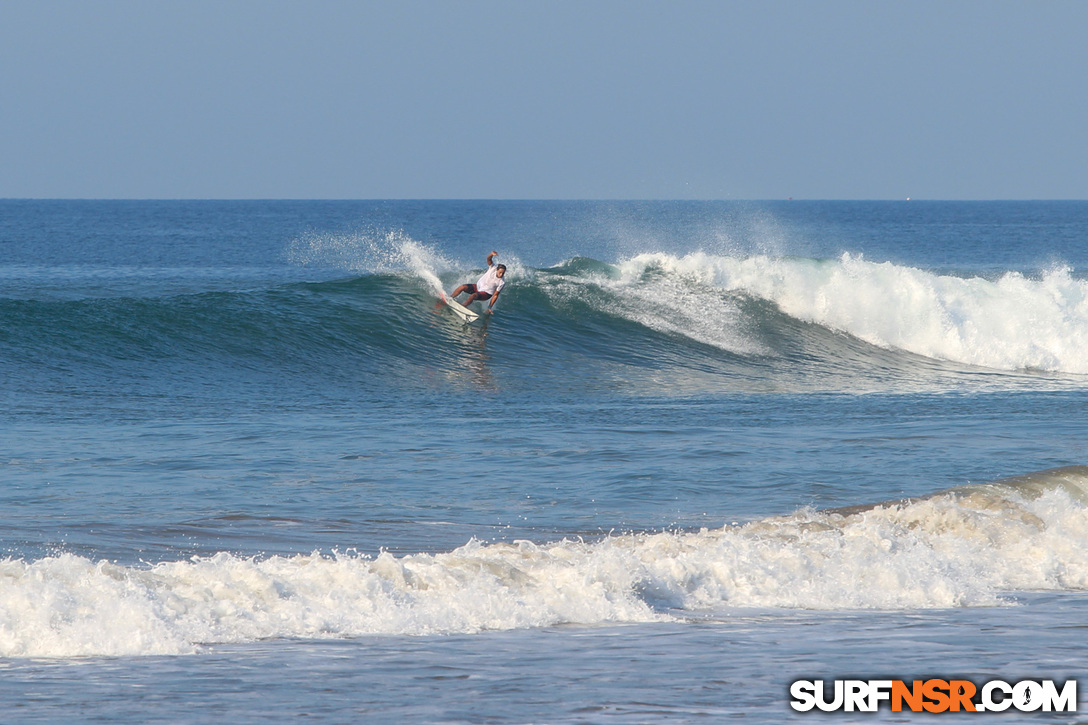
(372, 253)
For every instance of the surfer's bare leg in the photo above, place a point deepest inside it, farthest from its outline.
(458, 291)
(483, 296)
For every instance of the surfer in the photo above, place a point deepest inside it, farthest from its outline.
(487, 287)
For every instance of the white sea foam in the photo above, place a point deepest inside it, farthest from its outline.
(1012, 323)
(964, 548)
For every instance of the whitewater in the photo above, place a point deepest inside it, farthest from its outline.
(1015, 322)
(957, 549)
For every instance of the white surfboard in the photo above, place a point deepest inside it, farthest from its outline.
(460, 310)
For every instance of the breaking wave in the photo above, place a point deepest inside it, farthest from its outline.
(967, 547)
(654, 320)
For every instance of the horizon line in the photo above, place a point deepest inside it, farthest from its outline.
(540, 199)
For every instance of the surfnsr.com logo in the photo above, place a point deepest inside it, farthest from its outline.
(934, 695)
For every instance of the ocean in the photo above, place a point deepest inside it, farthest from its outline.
(252, 470)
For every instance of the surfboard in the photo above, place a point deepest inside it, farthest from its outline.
(460, 310)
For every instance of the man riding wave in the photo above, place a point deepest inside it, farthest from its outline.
(487, 287)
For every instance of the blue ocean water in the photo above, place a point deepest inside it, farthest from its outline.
(251, 469)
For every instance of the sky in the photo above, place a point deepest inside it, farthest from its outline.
(586, 99)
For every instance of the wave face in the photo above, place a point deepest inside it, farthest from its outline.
(761, 322)
(1011, 323)
(961, 548)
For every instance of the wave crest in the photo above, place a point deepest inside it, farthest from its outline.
(1012, 323)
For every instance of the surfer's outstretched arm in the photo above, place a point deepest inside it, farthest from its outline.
(491, 304)
(491, 256)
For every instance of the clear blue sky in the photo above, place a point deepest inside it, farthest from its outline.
(610, 99)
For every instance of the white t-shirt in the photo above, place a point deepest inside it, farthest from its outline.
(489, 282)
